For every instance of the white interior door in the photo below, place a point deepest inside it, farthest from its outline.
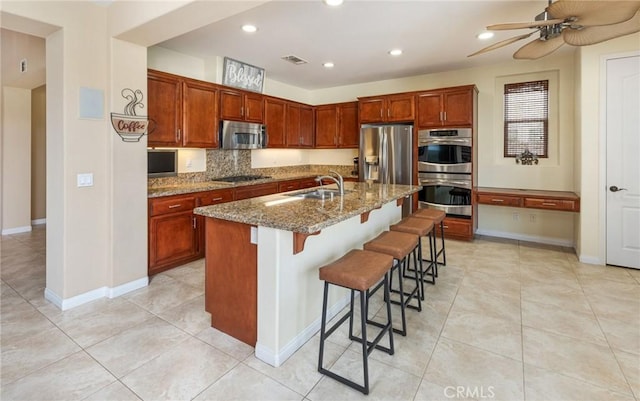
(623, 161)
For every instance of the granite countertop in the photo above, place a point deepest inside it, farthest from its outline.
(304, 215)
(212, 185)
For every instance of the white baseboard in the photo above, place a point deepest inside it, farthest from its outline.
(528, 238)
(16, 230)
(276, 359)
(109, 292)
(592, 260)
(38, 222)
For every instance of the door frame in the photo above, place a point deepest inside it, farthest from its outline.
(602, 147)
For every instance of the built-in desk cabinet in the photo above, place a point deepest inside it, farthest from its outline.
(529, 198)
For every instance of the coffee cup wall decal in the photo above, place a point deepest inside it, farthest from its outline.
(129, 126)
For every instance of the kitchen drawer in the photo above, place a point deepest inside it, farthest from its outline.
(172, 204)
(500, 200)
(214, 197)
(456, 228)
(308, 183)
(252, 191)
(551, 204)
(285, 186)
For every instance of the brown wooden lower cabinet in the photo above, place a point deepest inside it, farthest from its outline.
(173, 232)
(455, 228)
(252, 191)
(177, 236)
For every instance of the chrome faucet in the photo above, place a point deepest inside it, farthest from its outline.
(339, 180)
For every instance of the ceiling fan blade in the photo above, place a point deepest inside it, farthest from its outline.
(595, 34)
(521, 25)
(502, 43)
(538, 48)
(592, 12)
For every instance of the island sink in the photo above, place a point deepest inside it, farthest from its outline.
(318, 194)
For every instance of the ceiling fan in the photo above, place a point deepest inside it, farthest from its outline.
(577, 23)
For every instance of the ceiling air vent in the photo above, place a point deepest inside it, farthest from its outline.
(294, 59)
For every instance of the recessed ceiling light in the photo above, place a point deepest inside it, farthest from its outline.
(249, 28)
(485, 35)
(333, 3)
(395, 52)
(328, 64)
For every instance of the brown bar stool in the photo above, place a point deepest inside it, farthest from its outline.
(400, 246)
(422, 228)
(357, 271)
(438, 218)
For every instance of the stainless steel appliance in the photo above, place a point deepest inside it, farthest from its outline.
(241, 135)
(448, 192)
(162, 163)
(444, 170)
(445, 150)
(386, 155)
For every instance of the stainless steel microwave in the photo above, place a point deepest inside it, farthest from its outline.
(162, 163)
(241, 135)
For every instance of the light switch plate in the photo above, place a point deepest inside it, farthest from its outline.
(85, 180)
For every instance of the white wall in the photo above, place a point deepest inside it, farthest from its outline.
(16, 160)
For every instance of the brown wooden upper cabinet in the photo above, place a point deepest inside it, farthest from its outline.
(337, 126)
(239, 105)
(388, 108)
(299, 125)
(275, 122)
(449, 107)
(183, 110)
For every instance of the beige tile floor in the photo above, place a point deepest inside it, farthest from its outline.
(506, 321)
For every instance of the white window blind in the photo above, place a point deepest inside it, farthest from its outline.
(526, 118)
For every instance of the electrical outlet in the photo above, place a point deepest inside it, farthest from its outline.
(189, 163)
(532, 218)
(516, 216)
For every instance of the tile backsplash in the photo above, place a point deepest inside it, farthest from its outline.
(225, 163)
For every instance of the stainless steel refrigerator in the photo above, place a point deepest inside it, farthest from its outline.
(386, 155)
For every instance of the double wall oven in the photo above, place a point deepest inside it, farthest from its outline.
(444, 170)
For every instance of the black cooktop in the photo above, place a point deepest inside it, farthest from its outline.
(240, 178)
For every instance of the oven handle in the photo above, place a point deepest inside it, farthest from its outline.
(450, 141)
(462, 184)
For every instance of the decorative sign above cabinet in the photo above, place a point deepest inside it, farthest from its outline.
(241, 75)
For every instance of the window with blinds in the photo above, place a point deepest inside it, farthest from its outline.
(526, 118)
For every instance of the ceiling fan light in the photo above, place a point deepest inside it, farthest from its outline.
(485, 35)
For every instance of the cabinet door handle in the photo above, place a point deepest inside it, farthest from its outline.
(174, 206)
(440, 115)
(388, 113)
(548, 204)
(497, 200)
(445, 116)
(216, 199)
(194, 222)
(178, 135)
(380, 113)
(445, 227)
(242, 111)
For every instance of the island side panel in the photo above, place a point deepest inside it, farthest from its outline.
(231, 279)
(289, 289)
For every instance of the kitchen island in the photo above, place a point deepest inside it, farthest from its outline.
(262, 258)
